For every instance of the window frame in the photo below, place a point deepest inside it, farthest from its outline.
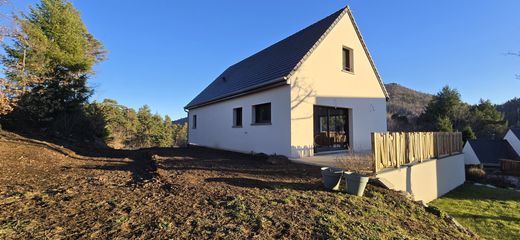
(254, 114)
(351, 59)
(194, 121)
(235, 117)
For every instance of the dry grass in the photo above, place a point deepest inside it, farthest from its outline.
(360, 162)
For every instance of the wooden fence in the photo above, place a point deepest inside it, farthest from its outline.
(391, 150)
(510, 166)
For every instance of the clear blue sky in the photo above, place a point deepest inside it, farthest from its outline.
(163, 53)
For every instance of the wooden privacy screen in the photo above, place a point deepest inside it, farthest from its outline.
(510, 166)
(394, 149)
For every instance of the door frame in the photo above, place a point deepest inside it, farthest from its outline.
(317, 125)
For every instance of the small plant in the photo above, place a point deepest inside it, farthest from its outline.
(475, 174)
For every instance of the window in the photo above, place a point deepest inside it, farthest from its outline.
(194, 123)
(262, 113)
(237, 117)
(347, 60)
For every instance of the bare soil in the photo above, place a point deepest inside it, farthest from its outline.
(48, 191)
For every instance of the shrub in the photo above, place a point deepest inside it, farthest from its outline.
(475, 174)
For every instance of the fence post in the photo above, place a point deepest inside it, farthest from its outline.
(374, 151)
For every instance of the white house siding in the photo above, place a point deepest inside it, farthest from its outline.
(320, 80)
(513, 141)
(470, 157)
(215, 124)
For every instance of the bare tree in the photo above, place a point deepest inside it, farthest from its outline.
(8, 90)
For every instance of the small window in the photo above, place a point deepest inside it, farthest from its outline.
(237, 117)
(194, 123)
(262, 113)
(347, 60)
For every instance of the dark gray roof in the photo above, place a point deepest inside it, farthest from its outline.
(516, 131)
(491, 151)
(266, 67)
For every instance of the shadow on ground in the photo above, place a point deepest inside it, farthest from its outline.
(261, 184)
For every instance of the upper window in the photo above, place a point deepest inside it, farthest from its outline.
(194, 123)
(348, 59)
(237, 117)
(262, 113)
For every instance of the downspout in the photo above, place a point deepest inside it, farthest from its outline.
(188, 126)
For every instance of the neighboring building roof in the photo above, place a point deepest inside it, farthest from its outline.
(491, 151)
(516, 131)
(273, 65)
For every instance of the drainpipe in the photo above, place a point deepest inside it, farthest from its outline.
(188, 126)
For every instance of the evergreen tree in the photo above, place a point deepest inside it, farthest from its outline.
(50, 60)
(444, 124)
(487, 120)
(468, 134)
(445, 105)
(180, 134)
(167, 136)
(144, 127)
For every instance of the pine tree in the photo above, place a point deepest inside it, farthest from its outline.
(50, 60)
(487, 120)
(444, 124)
(167, 136)
(144, 128)
(468, 134)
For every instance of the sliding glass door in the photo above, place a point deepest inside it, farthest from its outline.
(331, 131)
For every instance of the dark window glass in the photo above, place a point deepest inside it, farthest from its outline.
(347, 59)
(262, 113)
(194, 121)
(237, 117)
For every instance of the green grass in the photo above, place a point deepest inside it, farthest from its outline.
(490, 213)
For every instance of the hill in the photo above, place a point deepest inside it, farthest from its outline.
(181, 121)
(405, 106)
(511, 111)
(189, 193)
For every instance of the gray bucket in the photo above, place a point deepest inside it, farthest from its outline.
(355, 184)
(331, 177)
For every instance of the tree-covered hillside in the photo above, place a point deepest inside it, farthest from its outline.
(404, 107)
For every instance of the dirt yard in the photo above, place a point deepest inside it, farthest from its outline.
(47, 191)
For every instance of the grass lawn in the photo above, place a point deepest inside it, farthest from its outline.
(490, 213)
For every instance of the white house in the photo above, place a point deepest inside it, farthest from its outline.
(513, 138)
(316, 91)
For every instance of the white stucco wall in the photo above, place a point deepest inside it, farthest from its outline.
(513, 141)
(320, 80)
(470, 157)
(428, 180)
(215, 124)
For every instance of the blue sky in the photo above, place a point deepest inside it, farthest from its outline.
(163, 53)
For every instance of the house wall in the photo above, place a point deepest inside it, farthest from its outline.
(513, 141)
(320, 80)
(428, 180)
(470, 157)
(215, 124)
